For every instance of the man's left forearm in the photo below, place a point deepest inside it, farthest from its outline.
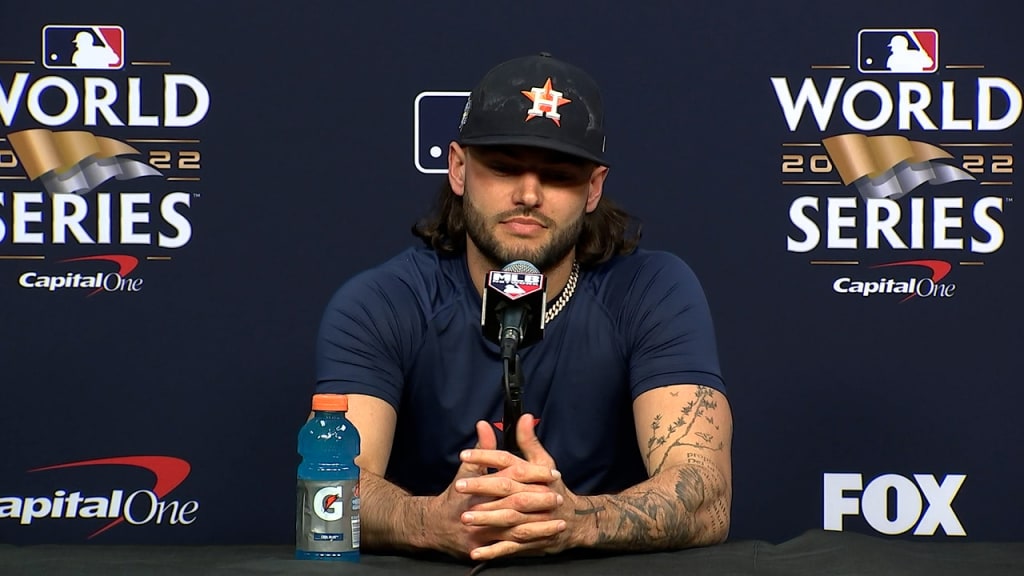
(680, 507)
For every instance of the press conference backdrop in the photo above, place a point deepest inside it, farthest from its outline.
(183, 185)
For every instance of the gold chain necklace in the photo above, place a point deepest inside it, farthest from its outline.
(567, 292)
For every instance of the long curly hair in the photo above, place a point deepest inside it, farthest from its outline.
(607, 231)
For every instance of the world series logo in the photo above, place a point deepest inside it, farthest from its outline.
(895, 189)
(98, 172)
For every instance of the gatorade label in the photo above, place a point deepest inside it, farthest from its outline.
(328, 516)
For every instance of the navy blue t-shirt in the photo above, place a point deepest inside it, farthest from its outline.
(408, 332)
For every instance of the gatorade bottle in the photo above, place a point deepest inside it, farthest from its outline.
(327, 513)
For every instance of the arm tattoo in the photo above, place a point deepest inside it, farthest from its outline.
(592, 510)
(678, 432)
(686, 500)
(651, 518)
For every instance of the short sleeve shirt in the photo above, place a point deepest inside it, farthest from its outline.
(408, 332)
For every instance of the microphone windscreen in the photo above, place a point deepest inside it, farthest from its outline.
(521, 266)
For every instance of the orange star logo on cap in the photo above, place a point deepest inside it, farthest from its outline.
(545, 103)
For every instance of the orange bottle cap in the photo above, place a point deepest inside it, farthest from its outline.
(331, 402)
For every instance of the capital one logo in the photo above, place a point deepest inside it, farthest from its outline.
(138, 507)
(327, 503)
(923, 503)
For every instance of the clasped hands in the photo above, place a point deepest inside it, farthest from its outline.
(500, 504)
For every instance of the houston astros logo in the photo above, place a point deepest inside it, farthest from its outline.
(545, 103)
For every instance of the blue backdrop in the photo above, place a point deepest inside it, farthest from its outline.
(293, 149)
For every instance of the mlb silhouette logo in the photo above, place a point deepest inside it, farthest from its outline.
(515, 285)
(898, 51)
(83, 47)
(436, 117)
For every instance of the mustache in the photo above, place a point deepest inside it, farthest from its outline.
(525, 213)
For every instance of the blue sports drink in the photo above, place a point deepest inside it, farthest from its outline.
(327, 506)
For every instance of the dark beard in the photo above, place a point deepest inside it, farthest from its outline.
(544, 258)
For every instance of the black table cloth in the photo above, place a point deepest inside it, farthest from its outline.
(814, 553)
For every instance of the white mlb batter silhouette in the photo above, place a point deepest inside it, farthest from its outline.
(514, 290)
(903, 59)
(88, 55)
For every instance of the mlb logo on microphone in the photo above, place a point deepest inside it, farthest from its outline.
(898, 51)
(515, 285)
(83, 47)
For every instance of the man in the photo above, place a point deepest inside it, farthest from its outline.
(626, 435)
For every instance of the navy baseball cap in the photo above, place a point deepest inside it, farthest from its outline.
(536, 101)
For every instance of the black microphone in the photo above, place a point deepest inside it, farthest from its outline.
(514, 305)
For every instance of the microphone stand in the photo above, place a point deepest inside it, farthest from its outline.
(512, 382)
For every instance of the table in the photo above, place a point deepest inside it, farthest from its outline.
(814, 553)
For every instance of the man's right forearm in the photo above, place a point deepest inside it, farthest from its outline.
(391, 518)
